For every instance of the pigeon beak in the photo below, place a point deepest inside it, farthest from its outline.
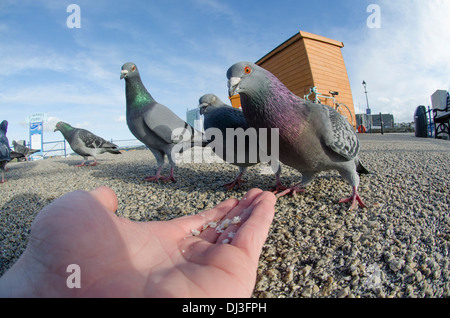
(233, 85)
(202, 107)
(123, 73)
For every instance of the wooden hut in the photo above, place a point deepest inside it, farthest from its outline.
(307, 60)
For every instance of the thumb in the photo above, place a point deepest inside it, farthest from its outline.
(106, 197)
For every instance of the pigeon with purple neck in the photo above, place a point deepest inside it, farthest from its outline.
(312, 137)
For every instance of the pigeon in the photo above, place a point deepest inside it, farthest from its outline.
(5, 151)
(155, 125)
(6, 155)
(24, 151)
(312, 137)
(85, 143)
(219, 115)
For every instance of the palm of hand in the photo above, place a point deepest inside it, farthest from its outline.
(118, 257)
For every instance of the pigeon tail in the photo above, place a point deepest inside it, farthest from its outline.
(113, 151)
(360, 168)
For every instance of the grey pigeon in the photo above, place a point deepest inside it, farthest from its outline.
(85, 143)
(313, 137)
(5, 151)
(23, 151)
(153, 123)
(219, 115)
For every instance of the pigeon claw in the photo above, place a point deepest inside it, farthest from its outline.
(159, 177)
(169, 178)
(355, 199)
(232, 184)
(278, 187)
(153, 178)
(290, 190)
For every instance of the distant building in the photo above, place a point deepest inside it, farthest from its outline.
(374, 121)
(194, 119)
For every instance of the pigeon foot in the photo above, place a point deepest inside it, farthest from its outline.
(355, 199)
(169, 178)
(159, 177)
(93, 164)
(232, 184)
(293, 190)
(81, 165)
(153, 178)
(278, 187)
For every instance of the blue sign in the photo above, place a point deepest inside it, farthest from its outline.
(36, 135)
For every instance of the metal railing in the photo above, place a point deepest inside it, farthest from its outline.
(52, 149)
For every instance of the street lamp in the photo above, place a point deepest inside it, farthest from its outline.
(368, 111)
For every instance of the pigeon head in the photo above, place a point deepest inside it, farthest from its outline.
(62, 126)
(129, 70)
(206, 101)
(4, 126)
(245, 77)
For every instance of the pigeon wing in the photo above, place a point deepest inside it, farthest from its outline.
(15, 154)
(5, 151)
(162, 121)
(338, 135)
(93, 141)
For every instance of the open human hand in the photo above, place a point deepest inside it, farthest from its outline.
(117, 257)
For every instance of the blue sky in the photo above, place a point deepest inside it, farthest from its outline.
(184, 48)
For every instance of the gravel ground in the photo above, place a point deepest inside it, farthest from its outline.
(397, 247)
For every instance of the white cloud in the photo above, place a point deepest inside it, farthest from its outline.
(50, 123)
(120, 119)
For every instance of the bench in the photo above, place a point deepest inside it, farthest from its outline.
(441, 119)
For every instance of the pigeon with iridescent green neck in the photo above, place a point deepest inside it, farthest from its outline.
(155, 125)
(85, 143)
(312, 137)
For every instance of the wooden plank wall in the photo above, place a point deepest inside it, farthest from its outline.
(291, 66)
(329, 73)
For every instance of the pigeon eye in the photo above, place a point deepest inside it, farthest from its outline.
(247, 70)
(133, 68)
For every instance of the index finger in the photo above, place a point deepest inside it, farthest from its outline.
(253, 232)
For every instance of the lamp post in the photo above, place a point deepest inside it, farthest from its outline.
(368, 111)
